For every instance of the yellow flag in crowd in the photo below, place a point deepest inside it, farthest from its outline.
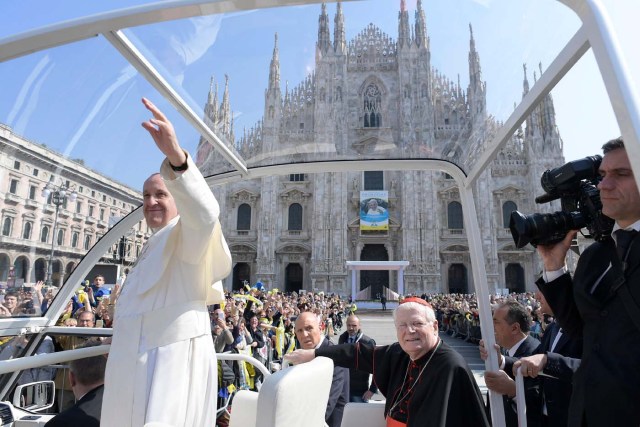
(280, 339)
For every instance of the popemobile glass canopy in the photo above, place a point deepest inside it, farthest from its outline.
(293, 89)
(429, 102)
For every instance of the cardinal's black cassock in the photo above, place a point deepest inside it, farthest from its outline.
(436, 390)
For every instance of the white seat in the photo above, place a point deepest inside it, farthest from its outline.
(364, 414)
(295, 396)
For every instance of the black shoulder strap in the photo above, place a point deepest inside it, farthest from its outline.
(620, 284)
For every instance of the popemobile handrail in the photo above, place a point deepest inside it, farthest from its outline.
(36, 361)
(520, 401)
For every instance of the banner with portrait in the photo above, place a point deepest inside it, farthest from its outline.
(373, 210)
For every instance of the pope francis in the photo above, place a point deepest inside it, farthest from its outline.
(162, 368)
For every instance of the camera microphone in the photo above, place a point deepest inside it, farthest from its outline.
(546, 198)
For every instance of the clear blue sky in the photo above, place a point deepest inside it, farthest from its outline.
(82, 99)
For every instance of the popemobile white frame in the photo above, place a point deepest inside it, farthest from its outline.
(597, 32)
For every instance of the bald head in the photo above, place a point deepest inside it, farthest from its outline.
(307, 330)
(353, 325)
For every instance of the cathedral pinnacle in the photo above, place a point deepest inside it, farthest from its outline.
(274, 69)
(421, 26)
(472, 41)
(475, 74)
(404, 33)
(211, 109)
(225, 108)
(477, 95)
(339, 41)
(211, 87)
(324, 37)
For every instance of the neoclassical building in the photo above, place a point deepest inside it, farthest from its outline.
(28, 218)
(381, 97)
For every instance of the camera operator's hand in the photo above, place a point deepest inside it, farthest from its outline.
(553, 255)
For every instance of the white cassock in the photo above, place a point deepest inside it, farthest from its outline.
(162, 366)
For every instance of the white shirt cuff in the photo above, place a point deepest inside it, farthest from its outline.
(550, 276)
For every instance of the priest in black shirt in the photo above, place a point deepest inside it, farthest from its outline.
(425, 382)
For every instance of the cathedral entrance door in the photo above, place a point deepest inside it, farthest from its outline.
(241, 272)
(293, 278)
(514, 278)
(458, 279)
(375, 280)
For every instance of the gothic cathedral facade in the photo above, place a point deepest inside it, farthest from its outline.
(374, 95)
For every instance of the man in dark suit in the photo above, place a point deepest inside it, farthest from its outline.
(86, 377)
(511, 323)
(310, 337)
(600, 302)
(556, 359)
(359, 388)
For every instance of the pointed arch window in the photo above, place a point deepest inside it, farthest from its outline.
(244, 217)
(26, 232)
(372, 106)
(424, 91)
(295, 217)
(6, 226)
(44, 234)
(507, 208)
(454, 216)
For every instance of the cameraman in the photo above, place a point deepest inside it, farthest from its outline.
(601, 302)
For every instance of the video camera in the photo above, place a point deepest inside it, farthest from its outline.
(575, 184)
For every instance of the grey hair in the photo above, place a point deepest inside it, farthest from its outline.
(426, 311)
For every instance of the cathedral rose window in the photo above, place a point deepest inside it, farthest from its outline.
(372, 106)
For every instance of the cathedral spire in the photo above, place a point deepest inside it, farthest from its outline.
(212, 83)
(525, 81)
(548, 112)
(476, 95)
(421, 26)
(324, 36)
(339, 42)
(475, 72)
(274, 70)
(404, 32)
(225, 108)
(232, 136)
(211, 108)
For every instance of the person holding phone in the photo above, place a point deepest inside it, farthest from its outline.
(220, 332)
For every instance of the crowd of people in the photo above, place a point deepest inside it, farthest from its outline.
(458, 314)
